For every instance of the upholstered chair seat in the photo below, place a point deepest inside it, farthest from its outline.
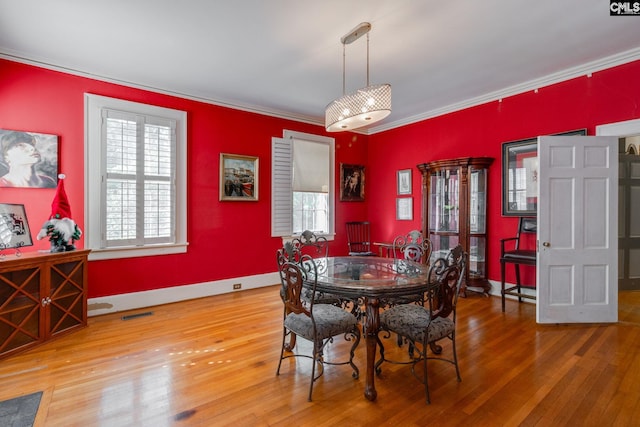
(414, 321)
(330, 321)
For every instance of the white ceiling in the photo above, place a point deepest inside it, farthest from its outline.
(284, 57)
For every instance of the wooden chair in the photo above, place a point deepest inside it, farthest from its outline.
(359, 238)
(318, 323)
(424, 326)
(518, 256)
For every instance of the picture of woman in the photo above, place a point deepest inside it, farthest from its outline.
(28, 159)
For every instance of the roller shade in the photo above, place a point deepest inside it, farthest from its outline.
(310, 160)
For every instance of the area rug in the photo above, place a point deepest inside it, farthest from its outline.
(20, 411)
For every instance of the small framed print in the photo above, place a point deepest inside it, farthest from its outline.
(404, 182)
(238, 177)
(404, 208)
(351, 183)
(14, 227)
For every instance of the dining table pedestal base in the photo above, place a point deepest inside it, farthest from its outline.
(371, 327)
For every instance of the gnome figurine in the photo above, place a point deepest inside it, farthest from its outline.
(60, 228)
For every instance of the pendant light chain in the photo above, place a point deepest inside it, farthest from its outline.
(344, 63)
(367, 59)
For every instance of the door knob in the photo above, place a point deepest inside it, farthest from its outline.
(546, 244)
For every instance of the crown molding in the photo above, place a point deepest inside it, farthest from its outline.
(314, 120)
(582, 70)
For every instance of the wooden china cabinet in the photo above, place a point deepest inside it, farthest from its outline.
(454, 200)
(42, 296)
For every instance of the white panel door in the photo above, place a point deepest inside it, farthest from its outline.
(577, 230)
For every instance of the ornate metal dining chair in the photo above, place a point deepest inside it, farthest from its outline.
(359, 238)
(318, 323)
(412, 246)
(317, 247)
(425, 326)
(310, 243)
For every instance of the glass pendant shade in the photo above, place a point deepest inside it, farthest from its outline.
(359, 108)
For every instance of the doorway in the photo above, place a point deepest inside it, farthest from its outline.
(629, 214)
(628, 133)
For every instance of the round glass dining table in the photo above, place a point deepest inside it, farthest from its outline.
(370, 280)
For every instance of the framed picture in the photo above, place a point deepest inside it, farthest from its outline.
(28, 159)
(520, 175)
(404, 208)
(352, 183)
(404, 182)
(238, 177)
(14, 227)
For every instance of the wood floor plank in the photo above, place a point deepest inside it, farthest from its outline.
(212, 362)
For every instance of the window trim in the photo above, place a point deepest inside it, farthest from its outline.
(94, 210)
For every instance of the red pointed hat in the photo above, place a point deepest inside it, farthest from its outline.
(60, 207)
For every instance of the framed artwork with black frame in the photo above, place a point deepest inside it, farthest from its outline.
(351, 183)
(520, 175)
(14, 227)
(404, 182)
(238, 177)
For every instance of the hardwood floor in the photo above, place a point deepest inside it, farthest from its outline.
(212, 361)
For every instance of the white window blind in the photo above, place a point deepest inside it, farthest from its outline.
(139, 169)
(281, 187)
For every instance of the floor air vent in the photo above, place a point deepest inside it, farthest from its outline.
(135, 316)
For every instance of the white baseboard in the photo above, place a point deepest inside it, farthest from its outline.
(134, 300)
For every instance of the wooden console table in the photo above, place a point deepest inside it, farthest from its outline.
(42, 296)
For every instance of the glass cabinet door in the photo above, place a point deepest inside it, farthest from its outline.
(441, 244)
(477, 198)
(477, 244)
(477, 221)
(444, 221)
(445, 193)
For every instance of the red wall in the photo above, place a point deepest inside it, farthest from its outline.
(232, 239)
(607, 96)
(226, 239)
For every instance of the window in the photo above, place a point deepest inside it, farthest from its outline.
(136, 179)
(302, 184)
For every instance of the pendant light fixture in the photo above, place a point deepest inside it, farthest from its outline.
(362, 107)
